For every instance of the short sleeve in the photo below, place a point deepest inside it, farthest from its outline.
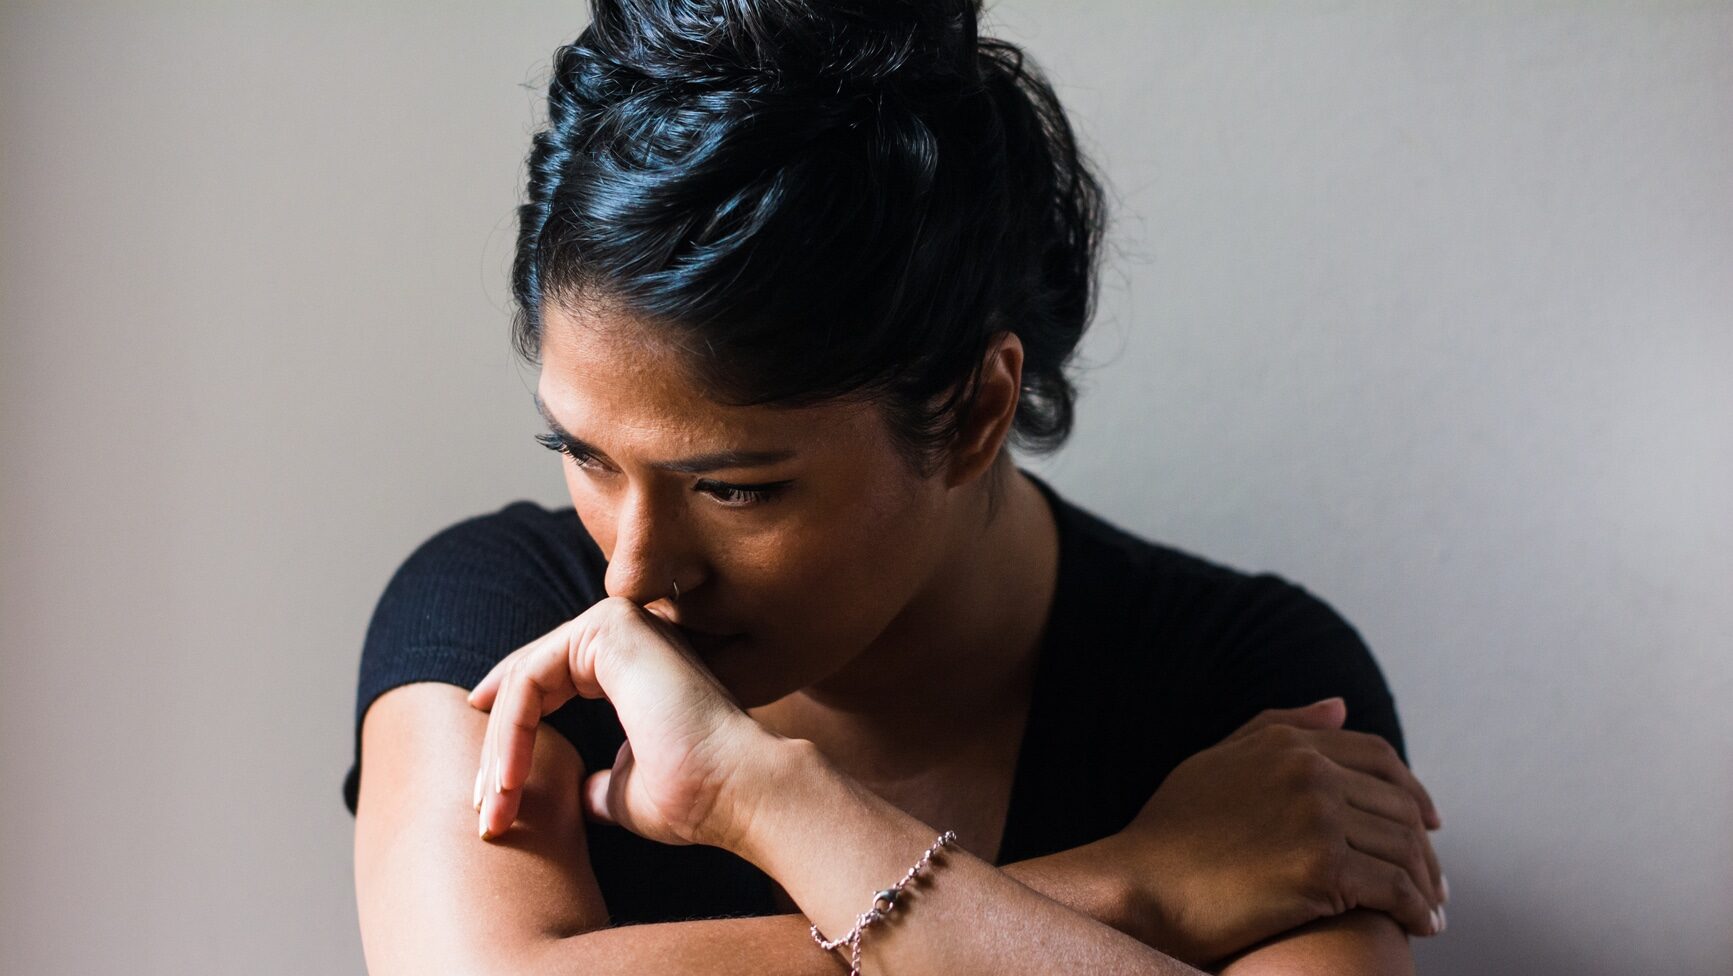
(464, 600)
(1288, 648)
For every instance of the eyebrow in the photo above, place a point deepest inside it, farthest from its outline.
(697, 464)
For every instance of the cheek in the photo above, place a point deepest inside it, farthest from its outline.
(844, 578)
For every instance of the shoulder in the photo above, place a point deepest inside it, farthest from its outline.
(520, 530)
(1167, 589)
(522, 552)
(1216, 641)
(471, 593)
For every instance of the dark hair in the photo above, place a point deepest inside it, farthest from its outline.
(817, 199)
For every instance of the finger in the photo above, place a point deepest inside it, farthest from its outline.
(499, 808)
(486, 690)
(1326, 714)
(490, 818)
(484, 780)
(599, 788)
(539, 683)
(482, 695)
(481, 763)
(596, 796)
(1373, 795)
(1374, 755)
(1390, 841)
(533, 681)
(1372, 882)
(484, 773)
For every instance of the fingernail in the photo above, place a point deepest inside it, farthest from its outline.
(481, 826)
(498, 787)
(1436, 921)
(477, 801)
(1444, 884)
(1443, 921)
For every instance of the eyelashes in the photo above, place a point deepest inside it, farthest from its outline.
(740, 495)
(552, 442)
(730, 495)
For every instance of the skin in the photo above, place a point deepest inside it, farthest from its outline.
(882, 611)
(877, 611)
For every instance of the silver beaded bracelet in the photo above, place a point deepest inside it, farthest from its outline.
(883, 902)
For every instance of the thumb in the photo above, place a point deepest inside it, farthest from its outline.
(598, 785)
(596, 796)
(1329, 713)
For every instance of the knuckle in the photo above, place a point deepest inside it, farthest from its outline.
(572, 641)
(615, 608)
(1378, 748)
(1307, 769)
(1417, 859)
(1411, 813)
(1402, 887)
(1324, 816)
(613, 616)
(1281, 734)
(1324, 877)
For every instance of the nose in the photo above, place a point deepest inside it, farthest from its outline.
(646, 559)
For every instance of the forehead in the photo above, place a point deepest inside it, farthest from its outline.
(616, 379)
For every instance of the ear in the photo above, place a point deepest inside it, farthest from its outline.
(982, 434)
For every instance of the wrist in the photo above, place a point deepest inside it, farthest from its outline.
(1095, 879)
(1126, 899)
(1147, 912)
(778, 771)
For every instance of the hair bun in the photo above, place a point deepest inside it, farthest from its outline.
(830, 46)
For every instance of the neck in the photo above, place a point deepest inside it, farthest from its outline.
(958, 662)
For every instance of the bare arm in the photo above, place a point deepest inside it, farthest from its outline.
(433, 898)
(1361, 942)
(830, 842)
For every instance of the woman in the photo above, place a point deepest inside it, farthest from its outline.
(797, 276)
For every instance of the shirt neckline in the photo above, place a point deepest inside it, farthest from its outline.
(1038, 725)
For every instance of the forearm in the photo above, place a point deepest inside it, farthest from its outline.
(781, 945)
(1360, 942)
(830, 843)
(771, 945)
(1089, 880)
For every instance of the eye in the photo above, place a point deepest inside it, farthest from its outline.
(741, 496)
(731, 496)
(552, 442)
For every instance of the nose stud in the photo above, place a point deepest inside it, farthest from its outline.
(676, 590)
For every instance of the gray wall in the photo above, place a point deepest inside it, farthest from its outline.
(1425, 306)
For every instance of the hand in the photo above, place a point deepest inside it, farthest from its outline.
(1289, 819)
(676, 778)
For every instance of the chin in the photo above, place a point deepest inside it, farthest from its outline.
(740, 666)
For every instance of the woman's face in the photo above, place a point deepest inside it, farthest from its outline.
(796, 534)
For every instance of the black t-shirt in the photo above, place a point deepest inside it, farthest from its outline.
(1150, 655)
